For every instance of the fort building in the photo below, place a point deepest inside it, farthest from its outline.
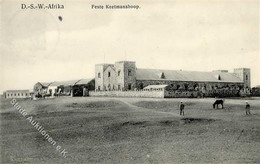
(124, 76)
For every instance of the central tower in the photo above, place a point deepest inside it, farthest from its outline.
(125, 75)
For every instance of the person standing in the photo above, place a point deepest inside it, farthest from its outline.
(182, 109)
(247, 109)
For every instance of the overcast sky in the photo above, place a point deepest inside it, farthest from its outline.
(191, 35)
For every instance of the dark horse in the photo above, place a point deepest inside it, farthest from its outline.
(217, 102)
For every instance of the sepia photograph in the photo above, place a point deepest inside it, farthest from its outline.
(129, 81)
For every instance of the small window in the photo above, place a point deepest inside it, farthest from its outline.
(119, 87)
(141, 86)
(129, 86)
(11, 94)
(109, 74)
(99, 88)
(118, 73)
(218, 77)
(99, 75)
(15, 94)
(21, 94)
(129, 72)
(246, 77)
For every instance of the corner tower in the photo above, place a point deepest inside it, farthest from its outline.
(244, 74)
(125, 75)
(99, 75)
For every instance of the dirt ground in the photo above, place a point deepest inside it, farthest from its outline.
(131, 130)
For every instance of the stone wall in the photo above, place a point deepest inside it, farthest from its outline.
(245, 75)
(109, 78)
(168, 94)
(141, 93)
(124, 80)
(182, 94)
(99, 70)
(130, 79)
(119, 75)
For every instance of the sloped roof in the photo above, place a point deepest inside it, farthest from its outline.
(175, 75)
(155, 86)
(45, 84)
(71, 82)
(64, 83)
(83, 81)
(105, 65)
(111, 66)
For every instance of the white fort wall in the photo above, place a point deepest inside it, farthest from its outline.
(140, 93)
(160, 93)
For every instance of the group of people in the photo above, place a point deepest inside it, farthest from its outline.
(182, 106)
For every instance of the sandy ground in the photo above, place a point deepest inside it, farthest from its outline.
(131, 130)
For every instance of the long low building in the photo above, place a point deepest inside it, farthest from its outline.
(17, 94)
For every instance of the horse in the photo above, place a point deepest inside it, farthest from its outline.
(217, 102)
